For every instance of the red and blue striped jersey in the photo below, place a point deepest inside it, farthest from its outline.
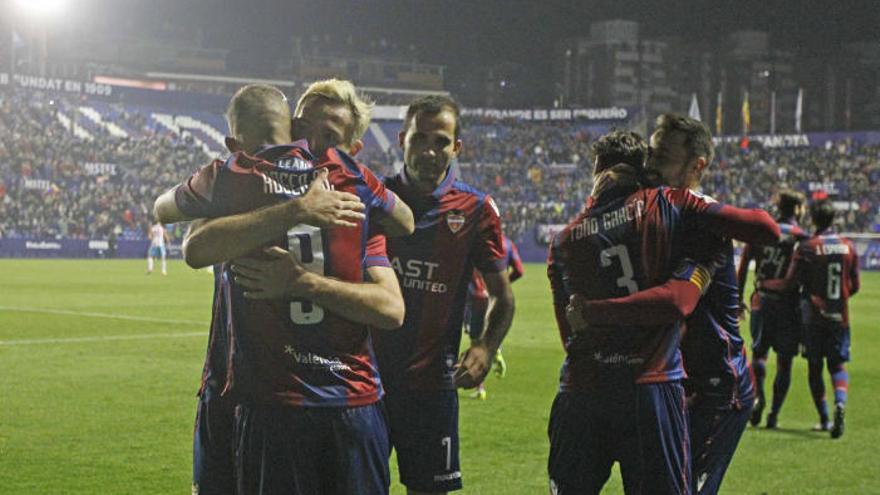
(457, 229)
(771, 260)
(713, 349)
(512, 261)
(615, 248)
(827, 265)
(291, 353)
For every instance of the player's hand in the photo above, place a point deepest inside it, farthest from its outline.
(324, 207)
(574, 313)
(281, 276)
(473, 366)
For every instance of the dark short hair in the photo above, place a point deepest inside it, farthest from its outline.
(619, 146)
(787, 200)
(697, 137)
(434, 104)
(822, 212)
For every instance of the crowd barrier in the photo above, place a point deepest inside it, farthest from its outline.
(78, 248)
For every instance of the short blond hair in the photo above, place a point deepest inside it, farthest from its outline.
(256, 111)
(344, 92)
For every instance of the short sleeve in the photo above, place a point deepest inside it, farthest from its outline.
(489, 255)
(195, 196)
(376, 251)
(382, 197)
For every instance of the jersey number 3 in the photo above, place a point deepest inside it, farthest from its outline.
(626, 280)
(306, 243)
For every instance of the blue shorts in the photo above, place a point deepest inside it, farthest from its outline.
(308, 450)
(827, 340)
(424, 432)
(777, 325)
(157, 251)
(715, 432)
(213, 452)
(643, 427)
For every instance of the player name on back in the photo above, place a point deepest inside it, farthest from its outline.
(287, 182)
(592, 225)
(826, 249)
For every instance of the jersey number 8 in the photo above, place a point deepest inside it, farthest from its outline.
(306, 243)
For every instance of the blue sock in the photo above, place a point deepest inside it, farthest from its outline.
(781, 383)
(759, 368)
(840, 379)
(817, 389)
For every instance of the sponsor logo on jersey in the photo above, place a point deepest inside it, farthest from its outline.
(455, 220)
(311, 359)
(614, 359)
(419, 275)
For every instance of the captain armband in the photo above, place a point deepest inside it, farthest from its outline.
(693, 272)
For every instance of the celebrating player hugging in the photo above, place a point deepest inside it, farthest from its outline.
(339, 300)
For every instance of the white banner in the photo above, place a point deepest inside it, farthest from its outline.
(41, 184)
(770, 141)
(611, 113)
(97, 168)
(55, 84)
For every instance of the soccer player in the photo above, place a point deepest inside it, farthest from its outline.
(158, 237)
(478, 305)
(681, 148)
(775, 318)
(457, 229)
(328, 109)
(827, 265)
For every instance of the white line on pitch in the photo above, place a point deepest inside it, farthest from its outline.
(76, 340)
(100, 315)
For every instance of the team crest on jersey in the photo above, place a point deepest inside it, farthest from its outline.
(455, 220)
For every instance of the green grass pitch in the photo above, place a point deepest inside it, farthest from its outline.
(99, 365)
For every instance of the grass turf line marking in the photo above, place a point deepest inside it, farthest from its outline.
(99, 315)
(73, 340)
(76, 340)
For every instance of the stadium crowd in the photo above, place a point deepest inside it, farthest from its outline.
(537, 172)
(48, 191)
(547, 180)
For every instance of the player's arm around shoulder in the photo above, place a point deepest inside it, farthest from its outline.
(208, 243)
(753, 226)
(399, 221)
(391, 213)
(165, 208)
(378, 302)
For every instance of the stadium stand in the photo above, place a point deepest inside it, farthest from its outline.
(79, 167)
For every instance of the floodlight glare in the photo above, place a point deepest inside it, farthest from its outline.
(42, 8)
